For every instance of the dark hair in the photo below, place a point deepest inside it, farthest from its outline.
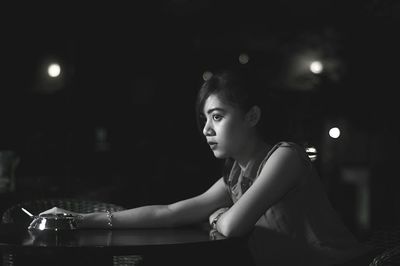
(238, 87)
(242, 88)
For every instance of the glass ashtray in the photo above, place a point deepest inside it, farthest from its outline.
(55, 222)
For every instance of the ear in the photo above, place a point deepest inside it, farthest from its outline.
(253, 115)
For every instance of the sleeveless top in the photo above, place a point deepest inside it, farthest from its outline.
(301, 228)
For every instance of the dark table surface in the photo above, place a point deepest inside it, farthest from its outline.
(195, 243)
(17, 238)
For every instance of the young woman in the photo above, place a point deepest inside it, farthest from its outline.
(269, 191)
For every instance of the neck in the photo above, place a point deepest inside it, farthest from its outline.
(249, 151)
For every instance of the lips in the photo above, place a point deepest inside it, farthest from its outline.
(212, 144)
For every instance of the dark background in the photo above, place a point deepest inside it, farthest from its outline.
(119, 125)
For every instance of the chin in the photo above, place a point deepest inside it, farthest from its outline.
(220, 155)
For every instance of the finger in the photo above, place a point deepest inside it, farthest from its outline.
(50, 211)
(45, 212)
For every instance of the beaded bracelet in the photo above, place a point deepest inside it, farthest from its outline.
(77, 220)
(109, 218)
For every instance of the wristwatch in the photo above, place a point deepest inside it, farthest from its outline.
(215, 220)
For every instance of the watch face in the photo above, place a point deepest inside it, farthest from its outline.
(214, 221)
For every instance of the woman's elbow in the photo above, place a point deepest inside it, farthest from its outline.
(230, 229)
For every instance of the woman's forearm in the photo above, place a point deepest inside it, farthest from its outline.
(151, 216)
(189, 211)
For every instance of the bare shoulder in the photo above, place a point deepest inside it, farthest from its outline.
(288, 158)
(290, 152)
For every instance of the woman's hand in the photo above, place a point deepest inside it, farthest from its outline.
(215, 215)
(56, 210)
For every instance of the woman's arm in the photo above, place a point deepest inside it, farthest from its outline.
(189, 211)
(280, 174)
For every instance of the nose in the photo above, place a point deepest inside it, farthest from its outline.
(208, 130)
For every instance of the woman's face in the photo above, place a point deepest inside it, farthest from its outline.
(225, 129)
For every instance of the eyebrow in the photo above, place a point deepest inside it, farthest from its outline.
(215, 109)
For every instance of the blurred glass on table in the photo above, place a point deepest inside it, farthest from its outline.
(9, 161)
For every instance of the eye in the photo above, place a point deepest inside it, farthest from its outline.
(217, 117)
